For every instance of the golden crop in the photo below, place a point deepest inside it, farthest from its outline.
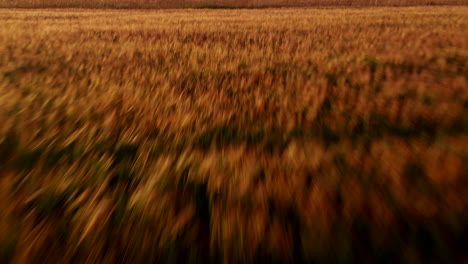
(329, 135)
(216, 3)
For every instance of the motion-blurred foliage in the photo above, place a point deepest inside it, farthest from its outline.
(233, 136)
(217, 3)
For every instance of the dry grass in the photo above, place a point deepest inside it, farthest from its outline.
(233, 136)
(217, 3)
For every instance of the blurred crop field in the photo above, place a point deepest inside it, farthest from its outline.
(234, 136)
(151, 4)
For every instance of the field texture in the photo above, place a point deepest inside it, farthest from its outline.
(234, 136)
(217, 3)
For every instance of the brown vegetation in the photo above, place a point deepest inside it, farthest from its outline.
(235, 136)
(217, 3)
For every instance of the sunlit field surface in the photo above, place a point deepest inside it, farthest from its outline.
(125, 4)
(234, 136)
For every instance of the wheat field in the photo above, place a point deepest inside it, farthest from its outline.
(234, 136)
(142, 4)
